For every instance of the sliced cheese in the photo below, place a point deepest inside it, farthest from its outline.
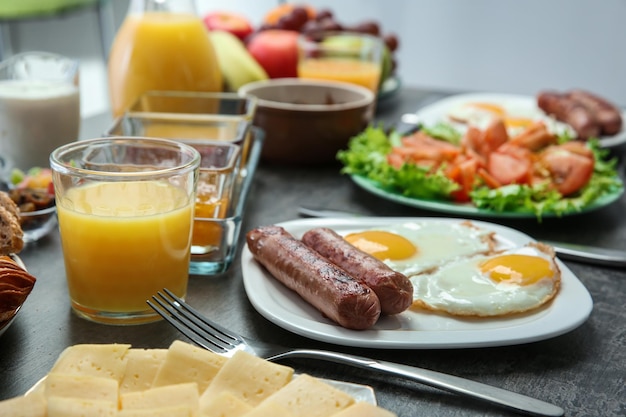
(249, 378)
(362, 409)
(177, 411)
(79, 407)
(185, 362)
(141, 368)
(269, 408)
(81, 386)
(226, 405)
(31, 406)
(168, 396)
(307, 396)
(106, 360)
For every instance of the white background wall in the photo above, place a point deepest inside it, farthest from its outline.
(470, 45)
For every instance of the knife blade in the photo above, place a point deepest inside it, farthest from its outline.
(574, 252)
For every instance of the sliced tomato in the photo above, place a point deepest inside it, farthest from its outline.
(465, 176)
(577, 147)
(488, 179)
(535, 137)
(495, 136)
(509, 169)
(570, 171)
(421, 146)
(472, 139)
(395, 159)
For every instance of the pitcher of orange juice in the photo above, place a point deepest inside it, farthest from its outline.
(161, 45)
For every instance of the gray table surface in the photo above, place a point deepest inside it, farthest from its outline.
(582, 371)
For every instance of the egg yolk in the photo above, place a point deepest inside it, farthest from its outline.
(518, 122)
(517, 268)
(491, 108)
(382, 245)
(509, 121)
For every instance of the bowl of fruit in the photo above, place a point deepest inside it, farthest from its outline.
(247, 52)
(33, 193)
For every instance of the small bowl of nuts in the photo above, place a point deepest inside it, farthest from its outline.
(34, 195)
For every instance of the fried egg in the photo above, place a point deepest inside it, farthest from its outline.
(516, 116)
(513, 281)
(416, 247)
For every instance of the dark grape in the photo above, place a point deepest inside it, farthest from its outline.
(369, 26)
(311, 28)
(287, 22)
(330, 24)
(323, 14)
(391, 40)
(300, 16)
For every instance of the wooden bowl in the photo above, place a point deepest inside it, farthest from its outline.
(308, 121)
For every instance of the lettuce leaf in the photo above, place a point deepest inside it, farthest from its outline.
(366, 156)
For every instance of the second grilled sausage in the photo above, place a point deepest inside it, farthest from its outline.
(394, 290)
(607, 115)
(321, 283)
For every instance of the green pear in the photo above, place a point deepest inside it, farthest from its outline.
(236, 64)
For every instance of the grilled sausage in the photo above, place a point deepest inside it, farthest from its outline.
(608, 116)
(394, 290)
(569, 111)
(321, 283)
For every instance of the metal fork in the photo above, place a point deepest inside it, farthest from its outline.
(216, 338)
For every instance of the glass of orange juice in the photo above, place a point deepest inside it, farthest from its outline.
(125, 208)
(341, 56)
(218, 125)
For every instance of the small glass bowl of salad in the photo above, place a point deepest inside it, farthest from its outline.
(33, 193)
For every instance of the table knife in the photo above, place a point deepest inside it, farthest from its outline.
(581, 253)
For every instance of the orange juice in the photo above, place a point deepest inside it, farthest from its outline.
(161, 51)
(366, 74)
(209, 130)
(122, 242)
(207, 234)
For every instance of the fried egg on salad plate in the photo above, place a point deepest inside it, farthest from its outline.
(475, 283)
(517, 111)
(479, 110)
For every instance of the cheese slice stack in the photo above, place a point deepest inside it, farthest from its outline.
(116, 380)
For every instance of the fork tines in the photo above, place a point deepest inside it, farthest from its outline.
(192, 323)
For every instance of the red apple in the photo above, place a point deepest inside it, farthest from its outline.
(276, 50)
(234, 23)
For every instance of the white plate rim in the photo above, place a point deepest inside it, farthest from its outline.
(436, 111)
(567, 311)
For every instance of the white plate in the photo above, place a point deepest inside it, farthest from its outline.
(526, 105)
(414, 329)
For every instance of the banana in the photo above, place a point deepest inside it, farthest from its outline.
(238, 67)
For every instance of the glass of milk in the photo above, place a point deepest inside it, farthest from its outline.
(39, 107)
